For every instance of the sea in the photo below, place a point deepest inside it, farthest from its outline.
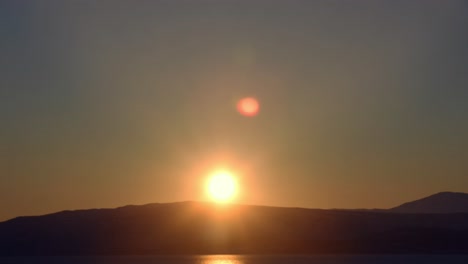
(244, 259)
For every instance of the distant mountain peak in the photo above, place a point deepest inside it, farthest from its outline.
(442, 202)
(448, 193)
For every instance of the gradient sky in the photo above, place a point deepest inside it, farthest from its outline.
(364, 104)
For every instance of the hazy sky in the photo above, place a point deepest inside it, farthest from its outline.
(108, 103)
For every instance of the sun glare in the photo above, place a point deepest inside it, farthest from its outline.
(222, 186)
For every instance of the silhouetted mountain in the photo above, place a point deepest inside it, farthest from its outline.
(443, 202)
(196, 228)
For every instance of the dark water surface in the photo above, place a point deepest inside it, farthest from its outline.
(243, 259)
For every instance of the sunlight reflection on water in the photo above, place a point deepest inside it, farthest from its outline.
(221, 259)
(244, 259)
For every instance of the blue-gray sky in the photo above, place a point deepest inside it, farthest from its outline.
(107, 103)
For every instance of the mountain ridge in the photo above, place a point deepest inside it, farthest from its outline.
(441, 202)
(422, 205)
(208, 228)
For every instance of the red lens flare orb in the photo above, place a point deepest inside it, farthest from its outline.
(248, 106)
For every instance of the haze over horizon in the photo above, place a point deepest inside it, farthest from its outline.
(109, 103)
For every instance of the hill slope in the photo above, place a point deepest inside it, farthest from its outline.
(443, 202)
(203, 228)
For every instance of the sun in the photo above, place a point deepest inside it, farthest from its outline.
(222, 186)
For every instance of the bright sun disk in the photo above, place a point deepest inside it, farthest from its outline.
(222, 186)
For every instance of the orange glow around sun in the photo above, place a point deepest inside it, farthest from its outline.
(248, 106)
(222, 186)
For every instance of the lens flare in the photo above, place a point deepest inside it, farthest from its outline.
(248, 106)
